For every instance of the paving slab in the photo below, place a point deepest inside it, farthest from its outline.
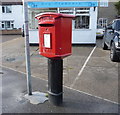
(14, 88)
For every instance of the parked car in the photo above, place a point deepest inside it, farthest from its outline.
(100, 31)
(111, 40)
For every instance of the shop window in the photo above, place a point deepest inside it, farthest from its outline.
(7, 24)
(81, 22)
(6, 9)
(66, 10)
(33, 23)
(82, 19)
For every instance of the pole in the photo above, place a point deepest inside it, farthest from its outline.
(27, 50)
(55, 81)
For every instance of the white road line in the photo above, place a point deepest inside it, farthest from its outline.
(80, 72)
(92, 95)
(21, 72)
(66, 87)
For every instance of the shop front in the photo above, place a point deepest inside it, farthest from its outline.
(83, 25)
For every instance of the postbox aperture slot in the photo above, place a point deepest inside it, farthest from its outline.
(47, 40)
(46, 25)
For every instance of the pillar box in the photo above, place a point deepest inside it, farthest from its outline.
(55, 32)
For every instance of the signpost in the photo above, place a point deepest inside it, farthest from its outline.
(27, 50)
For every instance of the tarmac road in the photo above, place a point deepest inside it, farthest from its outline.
(88, 70)
(14, 89)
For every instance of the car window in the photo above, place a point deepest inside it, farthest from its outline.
(118, 25)
(110, 23)
(113, 25)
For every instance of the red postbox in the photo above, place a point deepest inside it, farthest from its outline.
(55, 32)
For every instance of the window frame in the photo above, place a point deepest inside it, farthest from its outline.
(103, 22)
(4, 23)
(5, 7)
(78, 12)
(84, 25)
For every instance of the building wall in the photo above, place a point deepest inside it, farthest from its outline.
(103, 12)
(16, 16)
(107, 12)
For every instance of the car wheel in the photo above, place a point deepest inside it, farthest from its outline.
(113, 56)
(104, 46)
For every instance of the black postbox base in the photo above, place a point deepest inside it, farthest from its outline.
(55, 81)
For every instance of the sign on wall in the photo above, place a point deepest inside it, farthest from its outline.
(60, 4)
(103, 3)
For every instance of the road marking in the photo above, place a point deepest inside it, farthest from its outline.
(20, 72)
(80, 72)
(92, 95)
(79, 91)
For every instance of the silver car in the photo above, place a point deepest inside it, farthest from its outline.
(111, 40)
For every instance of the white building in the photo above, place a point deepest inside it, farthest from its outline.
(11, 15)
(83, 26)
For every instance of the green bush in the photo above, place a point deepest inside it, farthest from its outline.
(117, 6)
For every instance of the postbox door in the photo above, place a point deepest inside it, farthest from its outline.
(47, 39)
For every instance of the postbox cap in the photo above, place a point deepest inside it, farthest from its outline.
(55, 15)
